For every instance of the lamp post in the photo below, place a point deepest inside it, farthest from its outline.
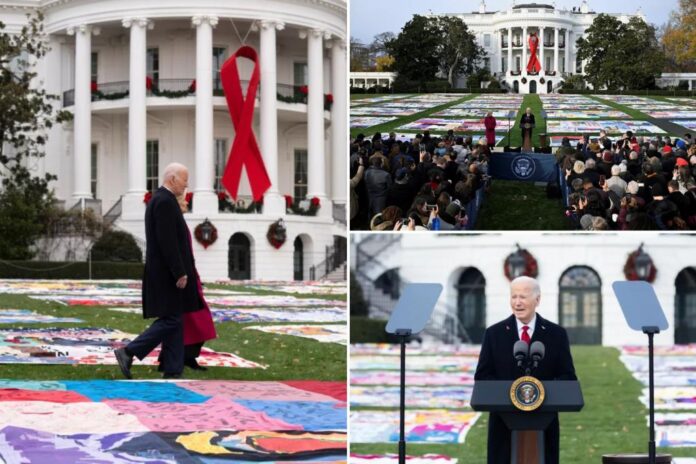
(207, 230)
(643, 263)
(516, 263)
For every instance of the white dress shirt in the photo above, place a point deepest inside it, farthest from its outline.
(531, 326)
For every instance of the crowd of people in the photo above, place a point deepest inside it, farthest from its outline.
(633, 183)
(427, 182)
(423, 183)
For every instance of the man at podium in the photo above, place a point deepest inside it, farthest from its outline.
(527, 124)
(496, 362)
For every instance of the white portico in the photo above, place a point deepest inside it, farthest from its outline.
(142, 81)
(505, 37)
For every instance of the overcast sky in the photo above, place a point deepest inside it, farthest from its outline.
(370, 17)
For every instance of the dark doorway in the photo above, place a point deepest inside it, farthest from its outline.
(532, 87)
(239, 257)
(549, 87)
(471, 305)
(580, 305)
(685, 307)
(297, 260)
(516, 86)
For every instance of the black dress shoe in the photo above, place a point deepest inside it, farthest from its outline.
(171, 376)
(193, 364)
(124, 362)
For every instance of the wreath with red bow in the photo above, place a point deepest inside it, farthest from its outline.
(198, 234)
(531, 267)
(631, 272)
(277, 234)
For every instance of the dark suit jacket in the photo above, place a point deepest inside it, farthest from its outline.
(525, 119)
(167, 258)
(496, 363)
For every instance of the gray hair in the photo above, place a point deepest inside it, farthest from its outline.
(615, 170)
(632, 187)
(536, 290)
(590, 163)
(173, 169)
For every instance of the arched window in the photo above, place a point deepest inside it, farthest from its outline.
(471, 305)
(532, 86)
(580, 305)
(239, 257)
(685, 307)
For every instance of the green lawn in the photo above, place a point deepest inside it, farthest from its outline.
(520, 206)
(288, 357)
(613, 420)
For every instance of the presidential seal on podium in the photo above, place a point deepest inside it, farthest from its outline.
(527, 393)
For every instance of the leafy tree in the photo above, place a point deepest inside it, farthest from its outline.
(415, 50)
(459, 52)
(26, 114)
(621, 55)
(384, 63)
(679, 37)
(427, 46)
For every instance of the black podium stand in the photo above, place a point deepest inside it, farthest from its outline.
(643, 312)
(527, 426)
(411, 313)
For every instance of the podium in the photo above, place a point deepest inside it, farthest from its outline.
(527, 139)
(527, 426)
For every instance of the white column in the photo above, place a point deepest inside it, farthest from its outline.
(133, 205)
(273, 202)
(498, 65)
(555, 50)
(316, 176)
(82, 126)
(567, 50)
(509, 60)
(524, 50)
(205, 200)
(541, 49)
(339, 121)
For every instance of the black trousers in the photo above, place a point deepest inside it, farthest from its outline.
(192, 351)
(169, 331)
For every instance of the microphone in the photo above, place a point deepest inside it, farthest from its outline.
(520, 351)
(537, 351)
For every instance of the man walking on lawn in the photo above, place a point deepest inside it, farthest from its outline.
(169, 281)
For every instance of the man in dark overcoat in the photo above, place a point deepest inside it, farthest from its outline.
(496, 362)
(169, 282)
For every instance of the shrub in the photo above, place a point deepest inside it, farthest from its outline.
(117, 245)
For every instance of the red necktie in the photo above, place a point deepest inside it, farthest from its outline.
(525, 335)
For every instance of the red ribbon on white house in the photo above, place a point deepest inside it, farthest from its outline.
(533, 65)
(245, 150)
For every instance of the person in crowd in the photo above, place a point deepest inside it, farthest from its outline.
(198, 325)
(489, 122)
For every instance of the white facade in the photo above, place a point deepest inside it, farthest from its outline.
(366, 79)
(119, 45)
(442, 258)
(504, 36)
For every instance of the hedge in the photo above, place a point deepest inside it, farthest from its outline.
(70, 270)
(366, 330)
